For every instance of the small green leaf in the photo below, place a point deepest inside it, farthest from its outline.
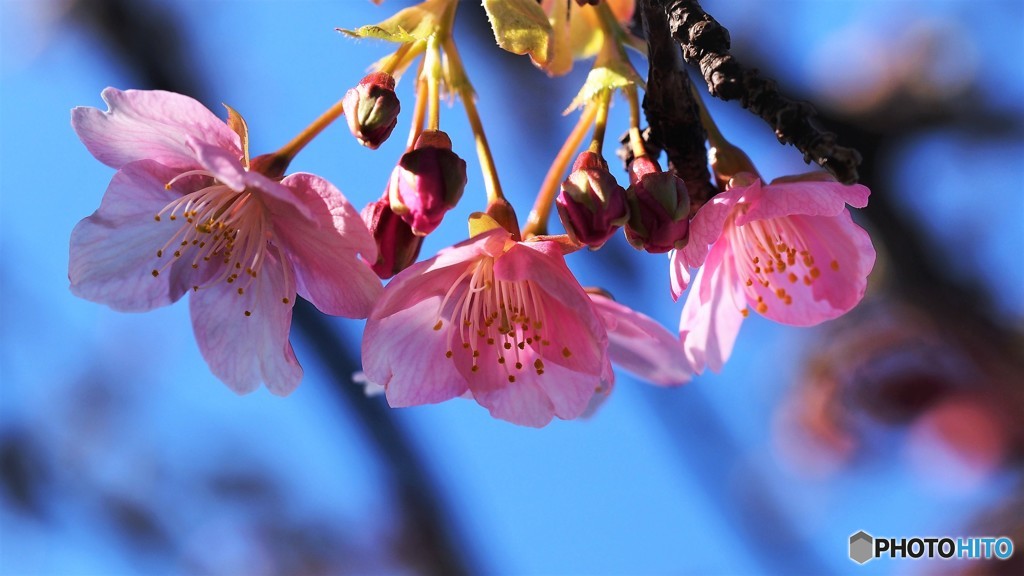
(612, 75)
(417, 22)
(520, 27)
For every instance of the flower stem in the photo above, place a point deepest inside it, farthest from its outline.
(460, 83)
(432, 70)
(537, 223)
(603, 102)
(636, 140)
(419, 111)
(287, 152)
(389, 66)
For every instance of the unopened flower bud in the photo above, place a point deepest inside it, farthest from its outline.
(371, 109)
(397, 246)
(659, 208)
(592, 205)
(427, 182)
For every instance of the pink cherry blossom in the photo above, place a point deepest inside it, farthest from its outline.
(185, 213)
(789, 250)
(504, 321)
(640, 345)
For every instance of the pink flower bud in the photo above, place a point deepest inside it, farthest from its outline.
(427, 182)
(397, 246)
(659, 208)
(371, 109)
(592, 205)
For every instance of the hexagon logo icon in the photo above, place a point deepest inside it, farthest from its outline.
(861, 547)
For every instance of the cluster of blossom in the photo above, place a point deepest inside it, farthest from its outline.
(498, 318)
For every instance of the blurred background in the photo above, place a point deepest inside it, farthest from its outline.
(121, 454)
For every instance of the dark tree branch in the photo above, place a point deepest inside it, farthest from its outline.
(705, 43)
(671, 111)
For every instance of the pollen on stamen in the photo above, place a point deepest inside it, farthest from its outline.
(437, 326)
(195, 288)
(156, 218)
(501, 359)
(159, 253)
(285, 300)
(156, 273)
(474, 368)
(745, 312)
(511, 378)
(508, 345)
(762, 307)
(241, 291)
(448, 354)
(519, 365)
(834, 265)
(792, 277)
(248, 313)
(566, 352)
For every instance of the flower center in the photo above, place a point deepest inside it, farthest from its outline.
(225, 230)
(775, 254)
(495, 320)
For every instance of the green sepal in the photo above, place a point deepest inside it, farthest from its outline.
(417, 22)
(520, 27)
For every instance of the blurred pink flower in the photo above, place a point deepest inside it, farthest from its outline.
(184, 212)
(789, 250)
(505, 321)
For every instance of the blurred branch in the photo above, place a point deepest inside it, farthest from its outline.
(706, 44)
(417, 492)
(143, 35)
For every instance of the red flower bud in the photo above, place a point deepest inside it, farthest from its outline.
(427, 182)
(397, 246)
(659, 208)
(371, 109)
(592, 205)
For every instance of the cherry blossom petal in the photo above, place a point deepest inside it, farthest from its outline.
(227, 168)
(811, 198)
(712, 314)
(244, 350)
(577, 337)
(434, 276)
(403, 353)
(844, 257)
(679, 274)
(641, 345)
(114, 251)
(531, 399)
(709, 222)
(149, 124)
(323, 250)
